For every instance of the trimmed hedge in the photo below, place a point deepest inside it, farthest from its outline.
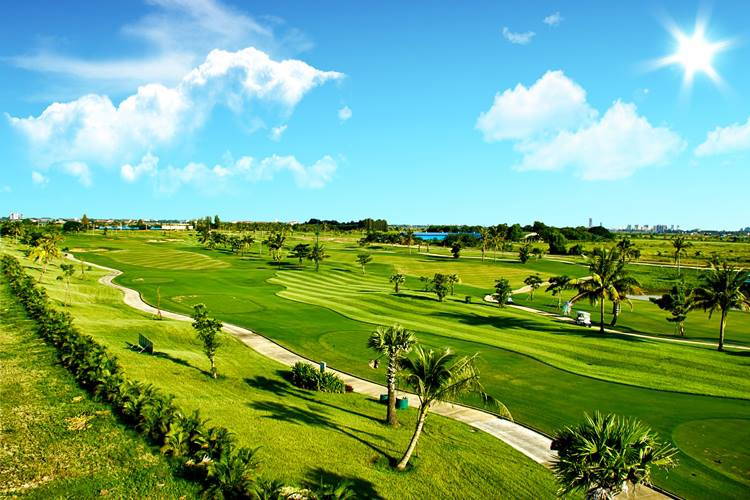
(307, 376)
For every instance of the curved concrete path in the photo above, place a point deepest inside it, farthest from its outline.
(534, 445)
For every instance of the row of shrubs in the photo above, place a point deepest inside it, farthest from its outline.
(307, 376)
(207, 454)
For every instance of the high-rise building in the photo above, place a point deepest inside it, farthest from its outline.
(15, 216)
(590, 223)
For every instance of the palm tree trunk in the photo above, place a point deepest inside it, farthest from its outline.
(721, 329)
(601, 311)
(615, 312)
(213, 367)
(391, 382)
(413, 443)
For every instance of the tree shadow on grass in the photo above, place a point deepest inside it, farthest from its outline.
(284, 388)
(179, 361)
(404, 295)
(363, 489)
(318, 418)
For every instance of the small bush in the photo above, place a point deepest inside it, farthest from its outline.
(307, 376)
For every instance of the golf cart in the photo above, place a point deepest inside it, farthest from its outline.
(583, 319)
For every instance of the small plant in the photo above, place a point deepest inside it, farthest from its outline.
(208, 332)
(503, 291)
(307, 376)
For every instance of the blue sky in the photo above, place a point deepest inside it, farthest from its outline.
(471, 112)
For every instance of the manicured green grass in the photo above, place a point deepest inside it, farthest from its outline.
(55, 442)
(547, 372)
(304, 436)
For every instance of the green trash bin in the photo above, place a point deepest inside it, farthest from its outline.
(402, 403)
(384, 398)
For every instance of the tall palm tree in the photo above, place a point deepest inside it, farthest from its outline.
(46, 249)
(627, 249)
(440, 376)
(623, 285)
(608, 280)
(722, 288)
(484, 235)
(363, 259)
(557, 285)
(680, 244)
(393, 342)
(409, 236)
(317, 255)
(533, 282)
(605, 453)
(452, 280)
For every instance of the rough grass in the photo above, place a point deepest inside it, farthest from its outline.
(55, 442)
(522, 355)
(304, 436)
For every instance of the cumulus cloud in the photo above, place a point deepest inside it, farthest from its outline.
(277, 132)
(553, 19)
(176, 34)
(93, 130)
(80, 171)
(38, 178)
(517, 38)
(146, 167)
(553, 127)
(733, 138)
(345, 113)
(221, 177)
(552, 103)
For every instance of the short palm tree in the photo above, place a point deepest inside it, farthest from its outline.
(722, 288)
(679, 301)
(680, 244)
(409, 237)
(452, 280)
(45, 250)
(605, 453)
(363, 259)
(397, 279)
(439, 376)
(557, 285)
(393, 342)
(317, 254)
(533, 282)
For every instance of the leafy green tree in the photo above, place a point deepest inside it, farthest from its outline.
(275, 245)
(363, 259)
(208, 333)
(393, 342)
(609, 280)
(680, 244)
(44, 250)
(247, 242)
(439, 376)
(439, 284)
(524, 253)
(409, 237)
(515, 232)
(503, 291)
(317, 255)
(557, 285)
(85, 222)
(397, 280)
(533, 282)
(722, 288)
(678, 302)
(452, 280)
(301, 252)
(557, 242)
(605, 453)
(456, 250)
(67, 272)
(537, 252)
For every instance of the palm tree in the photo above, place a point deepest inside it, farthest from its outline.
(301, 252)
(439, 376)
(557, 285)
(679, 301)
(524, 253)
(722, 288)
(393, 342)
(484, 235)
(624, 285)
(363, 259)
(397, 280)
(608, 281)
(605, 453)
(317, 254)
(409, 236)
(503, 291)
(68, 270)
(275, 244)
(452, 280)
(533, 282)
(680, 244)
(45, 249)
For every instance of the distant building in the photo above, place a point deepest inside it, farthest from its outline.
(176, 227)
(590, 222)
(15, 216)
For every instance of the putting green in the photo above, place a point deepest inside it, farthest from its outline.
(165, 258)
(713, 442)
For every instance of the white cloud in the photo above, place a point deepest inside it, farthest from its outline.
(176, 35)
(146, 167)
(553, 19)
(553, 102)
(221, 178)
(276, 133)
(724, 140)
(78, 170)
(612, 148)
(553, 127)
(38, 178)
(517, 38)
(345, 113)
(93, 130)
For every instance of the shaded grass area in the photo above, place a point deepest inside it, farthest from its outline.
(332, 313)
(55, 442)
(304, 436)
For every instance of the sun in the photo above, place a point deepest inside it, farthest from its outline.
(695, 53)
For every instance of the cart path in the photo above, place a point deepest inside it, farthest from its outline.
(532, 444)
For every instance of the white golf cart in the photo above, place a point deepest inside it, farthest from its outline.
(583, 319)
